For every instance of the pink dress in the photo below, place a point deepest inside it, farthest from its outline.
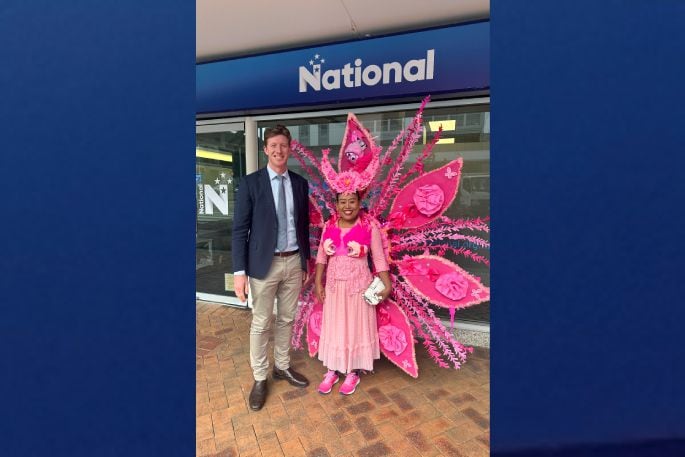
(349, 336)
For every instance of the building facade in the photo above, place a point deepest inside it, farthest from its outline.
(310, 90)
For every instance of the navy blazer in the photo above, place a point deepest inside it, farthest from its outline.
(255, 224)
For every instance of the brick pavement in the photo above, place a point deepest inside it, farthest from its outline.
(442, 413)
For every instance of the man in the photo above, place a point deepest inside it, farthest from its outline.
(271, 248)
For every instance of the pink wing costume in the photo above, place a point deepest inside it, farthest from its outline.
(410, 238)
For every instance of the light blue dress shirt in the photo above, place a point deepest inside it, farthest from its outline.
(289, 206)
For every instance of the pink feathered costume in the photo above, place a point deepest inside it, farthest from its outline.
(349, 336)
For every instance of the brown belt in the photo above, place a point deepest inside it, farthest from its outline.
(286, 254)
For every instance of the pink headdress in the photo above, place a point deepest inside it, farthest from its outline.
(359, 160)
(349, 181)
(409, 205)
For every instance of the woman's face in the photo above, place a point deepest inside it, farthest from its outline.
(348, 207)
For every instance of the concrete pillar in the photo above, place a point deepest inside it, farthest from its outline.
(251, 146)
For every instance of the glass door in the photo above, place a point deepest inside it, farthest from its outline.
(219, 164)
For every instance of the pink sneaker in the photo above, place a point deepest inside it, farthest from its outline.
(350, 385)
(329, 380)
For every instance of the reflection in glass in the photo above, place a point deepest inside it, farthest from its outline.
(220, 162)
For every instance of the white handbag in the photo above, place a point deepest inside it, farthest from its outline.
(371, 293)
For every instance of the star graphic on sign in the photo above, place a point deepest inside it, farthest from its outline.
(223, 190)
(316, 61)
(223, 175)
(229, 180)
(217, 181)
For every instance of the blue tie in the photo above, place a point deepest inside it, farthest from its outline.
(282, 217)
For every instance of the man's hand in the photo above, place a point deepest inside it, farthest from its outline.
(241, 287)
(305, 276)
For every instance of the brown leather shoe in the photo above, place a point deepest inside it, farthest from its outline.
(292, 376)
(258, 395)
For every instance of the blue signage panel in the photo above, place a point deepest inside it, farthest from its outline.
(448, 59)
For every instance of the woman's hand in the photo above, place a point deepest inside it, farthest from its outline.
(385, 278)
(386, 293)
(320, 292)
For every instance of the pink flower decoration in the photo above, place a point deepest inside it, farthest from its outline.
(354, 249)
(413, 267)
(328, 246)
(452, 285)
(382, 316)
(429, 199)
(314, 216)
(433, 274)
(397, 218)
(349, 181)
(392, 339)
(315, 322)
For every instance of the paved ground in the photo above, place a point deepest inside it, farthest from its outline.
(443, 412)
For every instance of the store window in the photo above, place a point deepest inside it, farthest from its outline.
(466, 133)
(220, 162)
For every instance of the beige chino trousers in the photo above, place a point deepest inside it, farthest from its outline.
(283, 282)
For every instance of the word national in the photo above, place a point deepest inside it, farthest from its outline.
(370, 75)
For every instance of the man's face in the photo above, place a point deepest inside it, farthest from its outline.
(277, 149)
